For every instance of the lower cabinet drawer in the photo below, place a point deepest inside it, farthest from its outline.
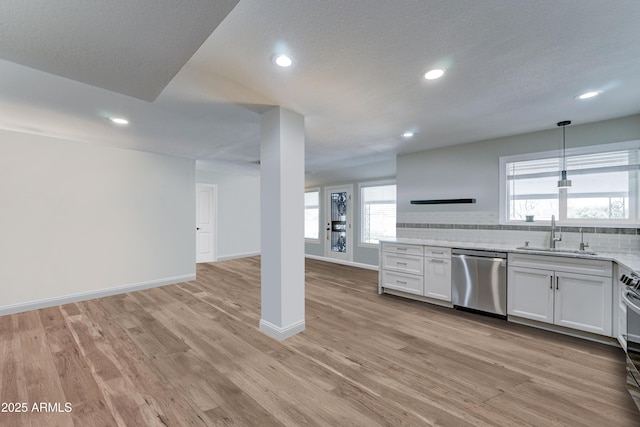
(404, 263)
(402, 282)
(402, 248)
(435, 252)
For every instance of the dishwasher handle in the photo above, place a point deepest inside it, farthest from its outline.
(461, 258)
(469, 253)
(478, 253)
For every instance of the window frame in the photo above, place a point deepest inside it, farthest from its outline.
(361, 186)
(315, 190)
(634, 187)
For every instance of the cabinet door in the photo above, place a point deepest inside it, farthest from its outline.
(583, 302)
(530, 293)
(437, 278)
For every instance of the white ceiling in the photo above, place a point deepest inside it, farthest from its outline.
(131, 47)
(513, 66)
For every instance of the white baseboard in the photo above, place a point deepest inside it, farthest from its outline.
(316, 257)
(339, 261)
(235, 256)
(83, 296)
(281, 333)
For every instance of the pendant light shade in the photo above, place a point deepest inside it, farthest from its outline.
(564, 182)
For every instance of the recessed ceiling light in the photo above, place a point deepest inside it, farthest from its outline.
(283, 60)
(408, 134)
(434, 74)
(119, 120)
(588, 95)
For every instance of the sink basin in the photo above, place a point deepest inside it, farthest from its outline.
(556, 250)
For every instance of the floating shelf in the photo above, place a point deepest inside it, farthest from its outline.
(442, 201)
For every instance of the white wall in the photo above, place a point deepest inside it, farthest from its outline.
(472, 170)
(238, 212)
(78, 219)
(238, 215)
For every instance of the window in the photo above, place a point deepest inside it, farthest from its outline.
(377, 212)
(312, 215)
(604, 185)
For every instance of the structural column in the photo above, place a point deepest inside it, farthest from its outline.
(282, 222)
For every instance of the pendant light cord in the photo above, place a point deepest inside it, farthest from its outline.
(564, 124)
(563, 182)
(564, 151)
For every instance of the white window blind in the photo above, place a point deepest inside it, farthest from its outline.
(312, 215)
(604, 187)
(378, 213)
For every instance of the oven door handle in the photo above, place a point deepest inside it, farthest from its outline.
(632, 305)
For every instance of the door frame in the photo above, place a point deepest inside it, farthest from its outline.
(348, 256)
(214, 217)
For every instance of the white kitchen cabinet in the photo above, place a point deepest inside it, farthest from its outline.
(402, 268)
(437, 273)
(562, 295)
(530, 293)
(403, 263)
(437, 252)
(410, 283)
(583, 302)
(423, 271)
(402, 248)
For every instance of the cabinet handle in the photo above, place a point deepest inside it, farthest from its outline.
(402, 282)
(550, 282)
(437, 252)
(401, 249)
(438, 261)
(401, 263)
(557, 283)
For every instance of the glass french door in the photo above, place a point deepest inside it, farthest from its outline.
(339, 242)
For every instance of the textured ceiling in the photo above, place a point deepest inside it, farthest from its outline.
(131, 47)
(513, 66)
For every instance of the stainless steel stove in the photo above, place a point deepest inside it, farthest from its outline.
(631, 298)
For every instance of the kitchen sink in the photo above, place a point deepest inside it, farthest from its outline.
(556, 250)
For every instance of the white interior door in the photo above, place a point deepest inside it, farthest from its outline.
(205, 223)
(338, 223)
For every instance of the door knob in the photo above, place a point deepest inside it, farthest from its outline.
(197, 228)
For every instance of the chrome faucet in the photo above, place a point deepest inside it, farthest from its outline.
(583, 245)
(553, 239)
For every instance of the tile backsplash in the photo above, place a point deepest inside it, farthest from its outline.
(484, 227)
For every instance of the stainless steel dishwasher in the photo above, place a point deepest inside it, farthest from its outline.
(479, 281)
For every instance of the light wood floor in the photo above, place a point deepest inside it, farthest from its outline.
(191, 354)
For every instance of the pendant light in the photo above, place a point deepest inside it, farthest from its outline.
(563, 182)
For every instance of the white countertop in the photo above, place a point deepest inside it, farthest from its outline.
(628, 260)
